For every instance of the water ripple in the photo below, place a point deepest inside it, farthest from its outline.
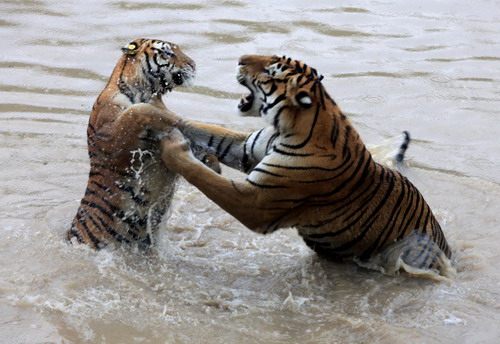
(78, 73)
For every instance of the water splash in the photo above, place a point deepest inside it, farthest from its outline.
(396, 258)
(144, 157)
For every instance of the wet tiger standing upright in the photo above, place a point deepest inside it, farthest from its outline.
(129, 189)
(309, 169)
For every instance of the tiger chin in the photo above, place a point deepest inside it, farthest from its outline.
(129, 189)
(309, 169)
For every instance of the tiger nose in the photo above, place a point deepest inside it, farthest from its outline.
(244, 60)
(256, 63)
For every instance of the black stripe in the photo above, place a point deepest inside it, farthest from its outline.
(422, 209)
(349, 200)
(90, 192)
(335, 132)
(98, 207)
(308, 138)
(265, 186)
(122, 86)
(369, 222)
(152, 78)
(94, 174)
(107, 228)
(282, 152)
(358, 211)
(364, 174)
(330, 98)
(365, 203)
(267, 172)
(347, 142)
(255, 141)
(110, 170)
(316, 180)
(301, 168)
(355, 173)
(322, 95)
(393, 217)
(111, 206)
(219, 146)
(424, 263)
(278, 99)
(278, 114)
(274, 87)
(95, 145)
(235, 187)
(211, 141)
(75, 232)
(330, 178)
(155, 60)
(434, 259)
(244, 160)
(94, 240)
(424, 248)
(420, 236)
(313, 87)
(273, 226)
(150, 68)
(271, 141)
(99, 166)
(132, 224)
(411, 204)
(125, 90)
(224, 153)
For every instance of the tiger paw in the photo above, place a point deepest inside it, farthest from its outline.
(211, 161)
(175, 149)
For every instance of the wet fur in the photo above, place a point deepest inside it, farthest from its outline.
(308, 169)
(129, 189)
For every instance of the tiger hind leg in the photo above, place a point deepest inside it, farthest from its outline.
(417, 254)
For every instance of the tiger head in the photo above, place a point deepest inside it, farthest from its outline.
(155, 66)
(276, 84)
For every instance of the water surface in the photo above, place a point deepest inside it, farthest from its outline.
(430, 67)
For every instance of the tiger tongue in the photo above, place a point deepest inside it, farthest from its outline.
(246, 103)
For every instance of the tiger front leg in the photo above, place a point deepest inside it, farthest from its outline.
(117, 133)
(227, 145)
(246, 202)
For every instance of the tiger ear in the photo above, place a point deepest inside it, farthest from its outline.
(300, 97)
(131, 48)
(303, 100)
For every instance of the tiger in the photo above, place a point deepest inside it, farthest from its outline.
(309, 169)
(129, 189)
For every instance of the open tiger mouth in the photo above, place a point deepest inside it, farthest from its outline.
(246, 103)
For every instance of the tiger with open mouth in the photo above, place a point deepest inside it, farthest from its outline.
(309, 169)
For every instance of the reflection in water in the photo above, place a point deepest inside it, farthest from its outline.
(422, 67)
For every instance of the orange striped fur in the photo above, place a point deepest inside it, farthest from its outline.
(129, 189)
(308, 169)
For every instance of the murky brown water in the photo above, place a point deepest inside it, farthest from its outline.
(431, 67)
